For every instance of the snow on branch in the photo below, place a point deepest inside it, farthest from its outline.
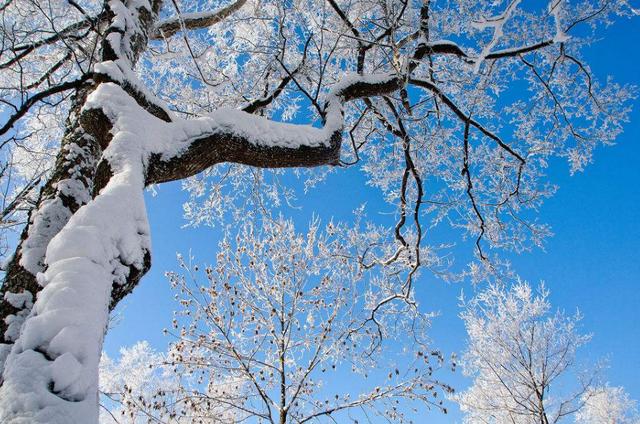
(496, 24)
(237, 136)
(196, 20)
(182, 148)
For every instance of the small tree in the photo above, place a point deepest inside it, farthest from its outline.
(518, 349)
(608, 405)
(279, 315)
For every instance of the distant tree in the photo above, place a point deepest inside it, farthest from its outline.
(518, 353)
(288, 318)
(607, 405)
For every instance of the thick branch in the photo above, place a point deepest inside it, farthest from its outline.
(227, 147)
(229, 143)
(171, 26)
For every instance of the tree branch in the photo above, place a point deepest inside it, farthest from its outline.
(198, 20)
(228, 142)
(22, 110)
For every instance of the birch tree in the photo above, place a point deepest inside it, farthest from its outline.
(153, 91)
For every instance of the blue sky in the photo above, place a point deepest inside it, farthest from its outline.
(592, 263)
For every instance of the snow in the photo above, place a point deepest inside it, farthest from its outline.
(555, 9)
(52, 214)
(19, 300)
(52, 371)
(172, 138)
(65, 370)
(262, 132)
(22, 301)
(119, 71)
(496, 24)
(51, 217)
(126, 22)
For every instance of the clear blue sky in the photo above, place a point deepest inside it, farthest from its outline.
(592, 263)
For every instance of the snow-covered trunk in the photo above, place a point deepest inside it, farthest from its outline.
(78, 254)
(51, 374)
(51, 371)
(68, 188)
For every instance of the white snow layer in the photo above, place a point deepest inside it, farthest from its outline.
(172, 138)
(51, 374)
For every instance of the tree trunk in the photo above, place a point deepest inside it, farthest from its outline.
(94, 254)
(68, 188)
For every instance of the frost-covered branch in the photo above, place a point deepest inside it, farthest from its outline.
(196, 20)
(240, 137)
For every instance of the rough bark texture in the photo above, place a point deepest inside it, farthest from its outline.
(224, 147)
(75, 164)
(171, 26)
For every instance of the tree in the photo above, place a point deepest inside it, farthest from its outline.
(163, 91)
(519, 350)
(610, 405)
(280, 316)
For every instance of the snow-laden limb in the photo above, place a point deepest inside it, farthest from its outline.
(229, 135)
(118, 71)
(52, 371)
(496, 24)
(195, 20)
(182, 148)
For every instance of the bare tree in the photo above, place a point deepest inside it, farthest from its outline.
(518, 351)
(163, 91)
(282, 318)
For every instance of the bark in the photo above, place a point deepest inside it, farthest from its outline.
(74, 167)
(77, 177)
(227, 147)
(171, 26)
